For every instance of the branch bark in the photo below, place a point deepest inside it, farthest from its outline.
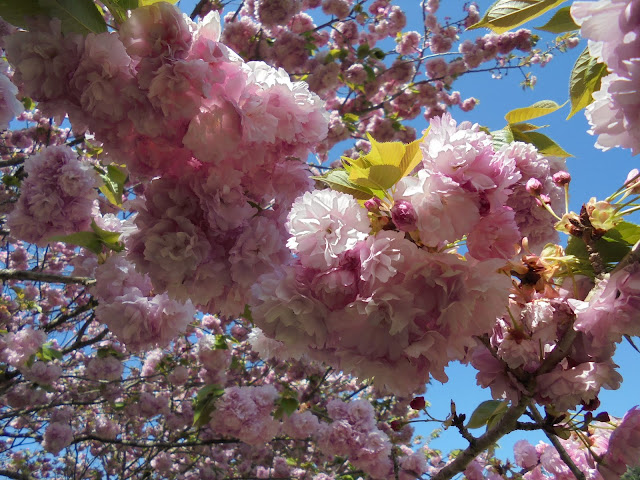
(506, 424)
(10, 274)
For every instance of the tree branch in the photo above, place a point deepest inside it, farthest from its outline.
(558, 446)
(10, 274)
(11, 163)
(14, 475)
(176, 444)
(506, 424)
(92, 303)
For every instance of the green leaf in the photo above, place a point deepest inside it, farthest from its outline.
(497, 415)
(28, 103)
(501, 138)
(560, 22)
(612, 247)
(204, 404)
(47, 353)
(88, 240)
(625, 231)
(247, 313)
(15, 12)
(221, 343)
(544, 144)
(504, 15)
(586, 78)
(339, 180)
(484, 412)
(80, 16)
(113, 188)
(118, 8)
(538, 109)
(287, 406)
(107, 238)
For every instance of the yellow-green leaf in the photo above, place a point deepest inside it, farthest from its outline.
(505, 15)
(339, 180)
(411, 158)
(144, 3)
(483, 413)
(376, 177)
(561, 22)
(538, 109)
(384, 165)
(526, 127)
(585, 79)
(544, 144)
(118, 8)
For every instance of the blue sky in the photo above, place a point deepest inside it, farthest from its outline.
(594, 173)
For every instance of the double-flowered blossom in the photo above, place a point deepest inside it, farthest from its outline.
(56, 198)
(140, 319)
(354, 433)
(245, 413)
(378, 304)
(613, 310)
(613, 30)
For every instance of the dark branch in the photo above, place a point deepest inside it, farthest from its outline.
(10, 274)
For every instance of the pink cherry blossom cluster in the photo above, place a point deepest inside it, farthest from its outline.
(169, 100)
(353, 432)
(613, 30)
(127, 305)
(378, 303)
(603, 451)
(245, 413)
(524, 338)
(57, 197)
(382, 90)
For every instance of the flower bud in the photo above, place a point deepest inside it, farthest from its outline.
(534, 186)
(373, 204)
(404, 216)
(396, 425)
(633, 181)
(418, 403)
(561, 178)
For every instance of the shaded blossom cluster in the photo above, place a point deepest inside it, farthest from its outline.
(57, 197)
(226, 137)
